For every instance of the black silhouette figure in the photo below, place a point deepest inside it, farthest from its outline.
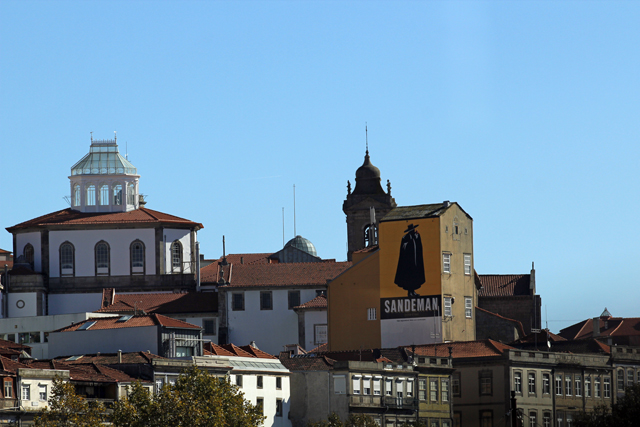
(410, 272)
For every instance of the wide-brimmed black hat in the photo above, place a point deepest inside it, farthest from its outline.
(411, 227)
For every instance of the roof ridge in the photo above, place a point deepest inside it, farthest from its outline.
(148, 212)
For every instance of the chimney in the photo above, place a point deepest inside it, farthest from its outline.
(596, 326)
(119, 356)
(253, 344)
(532, 279)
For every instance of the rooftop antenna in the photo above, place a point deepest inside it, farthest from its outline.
(294, 210)
(115, 136)
(366, 137)
(283, 226)
(91, 136)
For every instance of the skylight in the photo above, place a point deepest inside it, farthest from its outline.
(87, 325)
(124, 318)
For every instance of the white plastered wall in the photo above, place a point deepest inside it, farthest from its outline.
(184, 237)
(84, 242)
(22, 304)
(22, 239)
(312, 318)
(74, 303)
(103, 341)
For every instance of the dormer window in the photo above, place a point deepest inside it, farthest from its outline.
(91, 195)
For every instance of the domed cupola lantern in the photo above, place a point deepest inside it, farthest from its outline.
(104, 180)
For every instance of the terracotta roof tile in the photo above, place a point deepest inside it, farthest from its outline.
(283, 274)
(84, 373)
(539, 337)
(306, 362)
(497, 285)
(192, 302)
(135, 321)
(70, 217)
(463, 349)
(322, 348)
(2, 251)
(611, 327)
(10, 366)
(111, 358)
(318, 302)
(232, 350)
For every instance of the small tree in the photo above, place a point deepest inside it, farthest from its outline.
(354, 420)
(624, 413)
(66, 408)
(198, 399)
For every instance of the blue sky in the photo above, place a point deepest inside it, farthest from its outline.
(525, 113)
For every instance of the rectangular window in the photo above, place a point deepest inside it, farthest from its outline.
(410, 388)
(260, 405)
(265, 300)
(486, 418)
(629, 377)
(237, 301)
(239, 380)
(546, 419)
(546, 384)
(533, 419)
(433, 389)
(446, 263)
(422, 389)
(355, 384)
(447, 306)
(339, 384)
(532, 383)
(209, 326)
(468, 307)
(259, 381)
(366, 386)
(596, 387)
(388, 387)
(444, 388)
(558, 385)
(42, 392)
(26, 392)
(467, 264)
(517, 382)
(587, 386)
(457, 419)
(567, 385)
(455, 384)
(620, 379)
(8, 388)
(607, 387)
(294, 299)
(278, 407)
(372, 314)
(320, 334)
(486, 383)
(104, 195)
(578, 379)
(376, 386)
(279, 383)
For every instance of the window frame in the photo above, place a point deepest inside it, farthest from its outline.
(64, 271)
(176, 257)
(448, 309)
(292, 295)
(103, 190)
(25, 391)
(8, 388)
(577, 385)
(204, 326)
(587, 386)
(259, 381)
(237, 297)
(102, 271)
(517, 382)
(137, 269)
(29, 255)
(546, 383)
(266, 300)
(446, 262)
(77, 195)
(531, 382)
(467, 264)
(279, 407)
(445, 392)
(468, 307)
(558, 384)
(42, 395)
(568, 385)
(456, 390)
(433, 389)
(116, 193)
(485, 382)
(90, 195)
(606, 386)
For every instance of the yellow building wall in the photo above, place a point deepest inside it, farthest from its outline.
(457, 284)
(350, 295)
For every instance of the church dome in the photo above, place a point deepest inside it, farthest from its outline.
(302, 244)
(368, 178)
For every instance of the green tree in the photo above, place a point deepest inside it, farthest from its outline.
(198, 399)
(67, 409)
(624, 413)
(354, 420)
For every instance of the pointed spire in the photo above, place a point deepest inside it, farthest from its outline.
(366, 137)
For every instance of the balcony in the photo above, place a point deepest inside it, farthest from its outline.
(390, 402)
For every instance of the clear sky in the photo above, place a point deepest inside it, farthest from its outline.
(525, 113)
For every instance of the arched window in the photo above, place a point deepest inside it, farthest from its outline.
(104, 194)
(28, 254)
(137, 257)
(176, 257)
(117, 194)
(76, 195)
(367, 229)
(67, 259)
(91, 195)
(102, 258)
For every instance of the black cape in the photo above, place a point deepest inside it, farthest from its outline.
(410, 272)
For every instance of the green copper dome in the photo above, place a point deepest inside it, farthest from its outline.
(302, 244)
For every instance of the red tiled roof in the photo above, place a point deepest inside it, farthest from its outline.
(516, 323)
(539, 337)
(2, 251)
(232, 350)
(615, 327)
(112, 358)
(498, 285)
(306, 362)
(90, 372)
(192, 302)
(10, 366)
(463, 349)
(70, 217)
(134, 322)
(318, 302)
(367, 249)
(322, 348)
(281, 274)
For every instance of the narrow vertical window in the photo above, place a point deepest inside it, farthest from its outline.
(433, 389)
(176, 257)
(91, 195)
(104, 195)
(102, 258)
(587, 386)
(517, 382)
(117, 194)
(546, 386)
(578, 379)
(467, 264)
(294, 299)
(66, 259)
(558, 385)
(26, 392)
(446, 263)
(468, 307)
(568, 386)
(8, 388)
(76, 195)
(447, 306)
(532, 383)
(366, 385)
(266, 302)
(131, 200)
(355, 384)
(42, 392)
(596, 387)
(28, 254)
(444, 388)
(137, 257)
(607, 387)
